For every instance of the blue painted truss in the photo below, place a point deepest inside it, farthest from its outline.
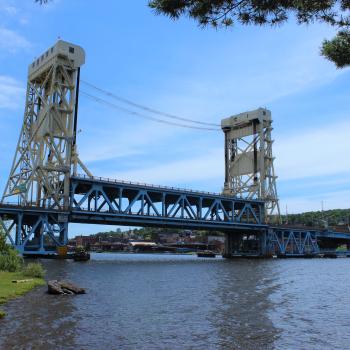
(291, 241)
(123, 203)
(33, 230)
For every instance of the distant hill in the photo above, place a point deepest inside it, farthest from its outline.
(335, 217)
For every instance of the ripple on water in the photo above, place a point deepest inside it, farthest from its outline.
(138, 301)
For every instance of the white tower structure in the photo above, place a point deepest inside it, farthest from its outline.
(46, 154)
(249, 171)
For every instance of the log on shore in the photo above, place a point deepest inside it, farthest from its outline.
(23, 281)
(63, 287)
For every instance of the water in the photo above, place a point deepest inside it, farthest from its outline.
(137, 301)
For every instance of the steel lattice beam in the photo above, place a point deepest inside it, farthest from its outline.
(125, 203)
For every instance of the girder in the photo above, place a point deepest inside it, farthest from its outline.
(33, 230)
(292, 241)
(122, 202)
(37, 230)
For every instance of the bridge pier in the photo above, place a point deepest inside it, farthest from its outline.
(245, 244)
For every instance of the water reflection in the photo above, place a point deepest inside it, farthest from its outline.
(242, 315)
(182, 302)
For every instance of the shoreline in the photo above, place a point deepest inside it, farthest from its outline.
(10, 290)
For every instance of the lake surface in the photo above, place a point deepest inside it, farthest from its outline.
(138, 301)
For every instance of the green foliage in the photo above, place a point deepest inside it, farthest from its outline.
(34, 270)
(3, 245)
(318, 218)
(228, 12)
(10, 260)
(2, 314)
(337, 50)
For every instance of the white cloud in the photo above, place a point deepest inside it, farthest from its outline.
(229, 82)
(11, 92)
(302, 203)
(12, 41)
(318, 152)
(10, 10)
(205, 167)
(311, 183)
(117, 140)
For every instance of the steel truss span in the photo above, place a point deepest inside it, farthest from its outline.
(292, 242)
(33, 230)
(122, 203)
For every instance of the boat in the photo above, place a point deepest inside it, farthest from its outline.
(81, 254)
(206, 254)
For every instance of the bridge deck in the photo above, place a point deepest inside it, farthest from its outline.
(119, 202)
(102, 201)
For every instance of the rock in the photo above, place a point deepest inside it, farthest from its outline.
(67, 291)
(73, 288)
(63, 287)
(53, 287)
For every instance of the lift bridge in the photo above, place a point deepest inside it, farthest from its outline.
(50, 187)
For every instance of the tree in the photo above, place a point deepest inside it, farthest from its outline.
(338, 49)
(3, 245)
(225, 13)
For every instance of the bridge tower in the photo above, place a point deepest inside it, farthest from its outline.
(46, 154)
(249, 170)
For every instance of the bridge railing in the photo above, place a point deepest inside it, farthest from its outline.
(121, 199)
(116, 181)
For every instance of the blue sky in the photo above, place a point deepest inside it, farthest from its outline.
(202, 74)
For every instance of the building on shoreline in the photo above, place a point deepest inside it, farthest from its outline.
(132, 241)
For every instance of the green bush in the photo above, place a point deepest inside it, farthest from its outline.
(2, 314)
(34, 270)
(10, 260)
(4, 247)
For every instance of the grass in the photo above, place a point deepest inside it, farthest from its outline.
(10, 290)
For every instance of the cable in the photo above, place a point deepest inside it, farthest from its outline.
(145, 108)
(110, 104)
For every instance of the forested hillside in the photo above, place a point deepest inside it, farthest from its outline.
(336, 217)
(318, 218)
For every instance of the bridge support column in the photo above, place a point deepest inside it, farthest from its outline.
(264, 246)
(233, 244)
(248, 244)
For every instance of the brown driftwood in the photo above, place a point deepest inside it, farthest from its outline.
(23, 281)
